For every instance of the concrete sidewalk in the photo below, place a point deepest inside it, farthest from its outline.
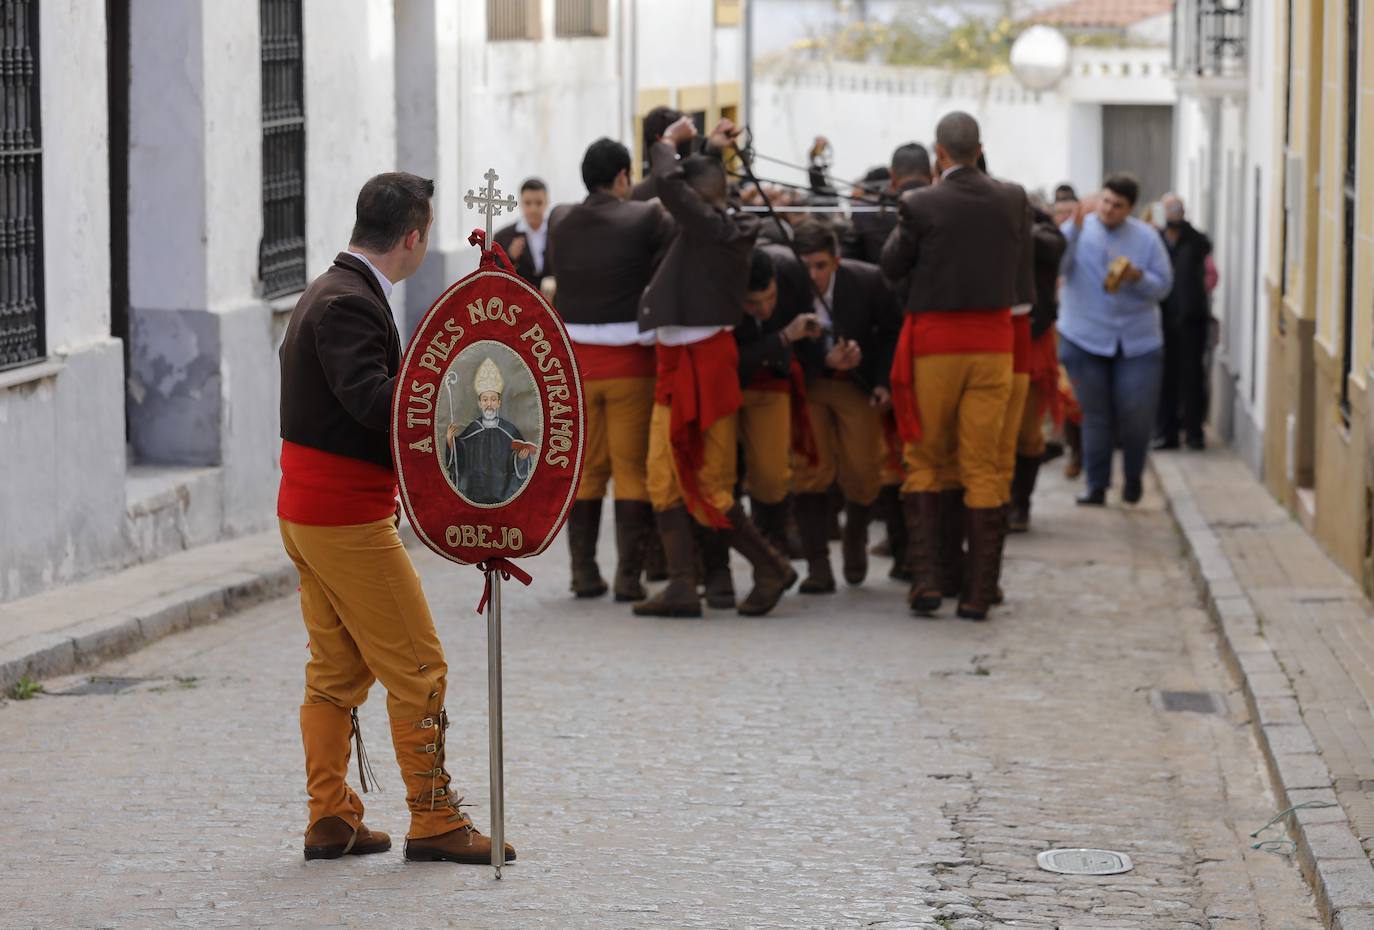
(77, 625)
(1300, 634)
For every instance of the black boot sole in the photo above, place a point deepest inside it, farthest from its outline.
(633, 597)
(970, 613)
(591, 592)
(436, 855)
(339, 850)
(925, 606)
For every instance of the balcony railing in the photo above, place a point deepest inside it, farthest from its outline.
(1209, 38)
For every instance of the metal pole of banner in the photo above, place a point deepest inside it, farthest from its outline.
(498, 790)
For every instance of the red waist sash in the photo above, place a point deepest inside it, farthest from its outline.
(700, 382)
(323, 489)
(600, 363)
(945, 332)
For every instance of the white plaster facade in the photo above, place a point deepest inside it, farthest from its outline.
(62, 422)
(1227, 168)
(388, 84)
(1036, 139)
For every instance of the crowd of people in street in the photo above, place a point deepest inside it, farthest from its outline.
(906, 349)
(897, 359)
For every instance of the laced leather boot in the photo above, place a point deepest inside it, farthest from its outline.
(854, 548)
(813, 512)
(773, 574)
(679, 598)
(584, 525)
(440, 831)
(924, 537)
(336, 813)
(634, 521)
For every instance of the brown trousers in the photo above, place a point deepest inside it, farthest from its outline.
(1011, 430)
(765, 434)
(368, 620)
(962, 401)
(849, 440)
(716, 478)
(617, 438)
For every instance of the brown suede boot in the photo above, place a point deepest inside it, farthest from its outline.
(634, 520)
(854, 548)
(773, 574)
(336, 813)
(890, 505)
(813, 512)
(924, 533)
(950, 556)
(439, 829)
(1022, 487)
(717, 584)
(334, 838)
(986, 529)
(679, 598)
(584, 525)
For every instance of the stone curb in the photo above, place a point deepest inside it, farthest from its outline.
(122, 632)
(1329, 853)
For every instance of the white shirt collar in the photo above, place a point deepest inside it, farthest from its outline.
(950, 170)
(535, 239)
(383, 280)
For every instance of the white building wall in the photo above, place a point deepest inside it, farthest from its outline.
(1036, 139)
(62, 422)
(1225, 160)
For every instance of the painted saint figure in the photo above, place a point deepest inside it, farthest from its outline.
(489, 459)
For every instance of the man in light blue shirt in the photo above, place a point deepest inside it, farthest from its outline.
(1116, 271)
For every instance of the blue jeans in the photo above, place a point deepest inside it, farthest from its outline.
(1119, 397)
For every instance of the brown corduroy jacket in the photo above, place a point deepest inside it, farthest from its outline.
(966, 242)
(602, 252)
(339, 363)
(703, 278)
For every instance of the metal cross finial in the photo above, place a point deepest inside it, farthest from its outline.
(490, 203)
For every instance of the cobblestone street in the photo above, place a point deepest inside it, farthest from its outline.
(836, 764)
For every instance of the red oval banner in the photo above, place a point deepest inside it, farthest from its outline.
(487, 421)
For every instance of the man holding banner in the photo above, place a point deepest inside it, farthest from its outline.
(364, 610)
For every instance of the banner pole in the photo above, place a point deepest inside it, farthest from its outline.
(498, 796)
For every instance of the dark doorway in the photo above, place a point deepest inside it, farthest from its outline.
(1140, 139)
(117, 88)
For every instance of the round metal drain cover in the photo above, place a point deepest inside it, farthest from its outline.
(1084, 861)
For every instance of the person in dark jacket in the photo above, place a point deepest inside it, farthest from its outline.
(1043, 367)
(602, 252)
(526, 240)
(909, 170)
(847, 373)
(364, 610)
(694, 300)
(1187, 315)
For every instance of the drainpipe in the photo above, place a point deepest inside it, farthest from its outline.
(748, 61)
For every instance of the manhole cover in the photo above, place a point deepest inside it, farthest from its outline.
(98, 684)
(1084, 861)
(1192, 702)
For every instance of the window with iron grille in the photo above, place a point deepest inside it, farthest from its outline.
(21, 187)
(573, 18)
(513, 19)
(1352, 105)
(281, 257)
